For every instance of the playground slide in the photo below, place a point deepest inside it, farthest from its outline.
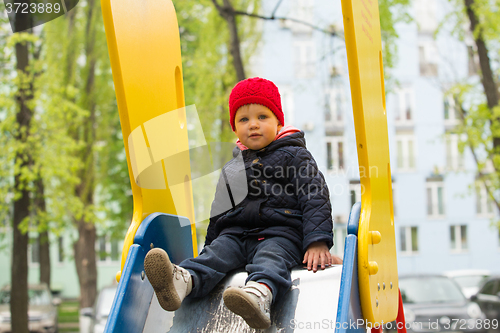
(144, 48)
(326, 301)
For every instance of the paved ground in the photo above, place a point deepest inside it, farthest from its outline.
(68, 327)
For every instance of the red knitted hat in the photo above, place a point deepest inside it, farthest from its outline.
(255, 91)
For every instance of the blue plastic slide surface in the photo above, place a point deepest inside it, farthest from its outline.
(349, 316)
(133, 296)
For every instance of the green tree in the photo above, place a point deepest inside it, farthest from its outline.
(23, 161)
(392, 12)
(83, 86)
(28, 141)
(477, 102)
(74, 173)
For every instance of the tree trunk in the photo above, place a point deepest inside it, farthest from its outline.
(85, 261)
(43, 241)
(85, 255)
(43, 234)
(228, 14)
(19, 273)
(70, 57)
(487, 78)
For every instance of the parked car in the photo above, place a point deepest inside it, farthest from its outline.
(488, 298)
(99, 314)
(436, 303)
(42, 309)
(469, 280)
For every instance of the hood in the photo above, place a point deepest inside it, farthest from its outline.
(34, 311)
(430, 310)
(4, 310)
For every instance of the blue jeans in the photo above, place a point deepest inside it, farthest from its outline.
(267, 261)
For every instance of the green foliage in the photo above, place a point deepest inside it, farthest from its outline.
(56, 140)
(392, 12)
(91, 119)
(488, 12)
(208, 74)
(480, 123)
(17, 143)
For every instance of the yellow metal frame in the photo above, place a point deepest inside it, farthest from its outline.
(377, 262)
(144, 48)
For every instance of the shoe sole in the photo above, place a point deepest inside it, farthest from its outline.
(238, 302)
(159, 271)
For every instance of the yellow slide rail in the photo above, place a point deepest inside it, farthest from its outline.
(377, 262)
(144, 48)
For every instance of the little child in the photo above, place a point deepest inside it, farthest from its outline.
(286, 212)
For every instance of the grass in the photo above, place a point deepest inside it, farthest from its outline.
(69, 312)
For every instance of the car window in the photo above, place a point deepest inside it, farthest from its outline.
(496, 290)
(468, 281)
(35, 296)
(430, 290)
(488, 288)
(39, 297)
(4, 297)
(105, 301)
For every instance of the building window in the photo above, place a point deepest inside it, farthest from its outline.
(458, 238)
(115, 250)
(484, 203)
(435, 199)
(454, 158)
(409, 239)
(339, 241)
(34, 250)
(335, 152)
(428, 58)
(108, 250)
(304, 59)
(355, 190)
(405, 144)
(102, 248)
(302, 10)
(405, 104)
(451, 115)
(60, 248)
(473, 60)
(287, 104)
(426, 16)
(393, 198)
(334, 106)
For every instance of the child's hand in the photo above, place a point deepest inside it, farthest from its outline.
(317, 253)
(337, 260)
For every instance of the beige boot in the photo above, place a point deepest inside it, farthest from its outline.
(170, 282)
(252, 302)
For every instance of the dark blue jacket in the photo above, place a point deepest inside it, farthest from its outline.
(275, 191)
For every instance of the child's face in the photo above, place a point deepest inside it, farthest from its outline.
(256, 126)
